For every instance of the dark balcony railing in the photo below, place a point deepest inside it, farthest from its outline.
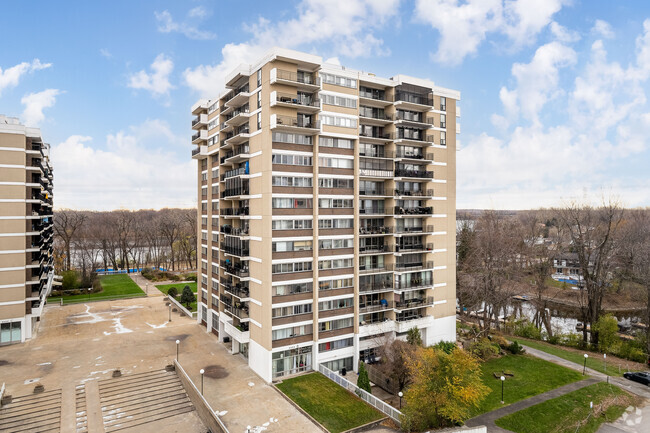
(234, 231)
(382, 135)
(414, 118)
(196, 151)
(381, 286)
(375, 230)
(195, 121)
(236, 269)
(297, 122)
(409, 193)
(376, 306)
(235, 251)
(241, 313)
(374, 211)
(414, 98)
(411, 266)
(401, 153)
(236, 211)
(414, 284)
(376, 154)
(414, 136)
(416, 247)
(370, 249)
(377, 95)
(414, 303)
(367, 269)
(233, 192)
(401, 172)
(304, 100)
(408, 316)
(196, 136)
(419, 229)
(243, 110)
(376, 115)
(303, 78)
(238, 290)
(236, 172)
(379, 192)
(417, 210)
(243, 89)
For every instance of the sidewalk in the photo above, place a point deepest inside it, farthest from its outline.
(147, 286)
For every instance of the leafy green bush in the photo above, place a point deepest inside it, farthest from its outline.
(484, 349)
(70, 280)
(173, 292)
(190, 277)
(526, 329)
(446, 346)
(363, 381)
(515, 348)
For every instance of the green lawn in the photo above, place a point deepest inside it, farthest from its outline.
(532, 376)
(563, 414)
(179, 286)
(113, 287)
(595, 360)
(331, 405)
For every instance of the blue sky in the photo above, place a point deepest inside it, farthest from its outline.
(553, 91)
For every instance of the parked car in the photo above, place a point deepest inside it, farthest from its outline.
(638, 376)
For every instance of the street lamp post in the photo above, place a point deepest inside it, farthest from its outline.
(584, 369)
(503, 379)
(605, 361)
(178, 343)
(401, 394)
(170, 311)
(202, 371)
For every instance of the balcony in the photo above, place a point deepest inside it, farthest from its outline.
(404, 322)
(237, 98)
(382, 305)
(374, 173)
(234, 192)
(376, 154)
(418, 174)
(374, 211)
(200, 136)
(376, 249)
(239, 136)
(413, 101)
(379, 286)
(238, 117)
(239, 335)
(234, 231)
(240, 313)
(375, 118)
(413, 137)
(416, 210)
(237, 290)
(235, 211)
(237, 269)
(410, 154)
(235, 251)
(409, 193)
(306, 103)
(235, 172)
(413, 266)
(200, 150)
(373, 193)
(413, 248)
(300, 79)
(377, 269)
(295, 124)
(375, 230)
(407, 119)
(375, 136)
(410, 230)
(199, 121)
(414, 303)
(374, 97)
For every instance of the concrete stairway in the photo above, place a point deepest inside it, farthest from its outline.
(80, 406)
(32, 413)
(140, 399)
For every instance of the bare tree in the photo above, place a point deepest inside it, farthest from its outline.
(66, 224)
(591, 233)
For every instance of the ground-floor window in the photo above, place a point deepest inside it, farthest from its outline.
(340, 364)
(243, 349)
(204, 313)
(10, 332)
(291, 361)
(215, 322)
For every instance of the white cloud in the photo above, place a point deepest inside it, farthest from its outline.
(35, 103)
(10, 77)
(537, 81)
(346, 25)
(139, 168)
(563, 34)
(105, 53)
(464, 25)
(603, 123)
(166, 24)
(157, 82)
(603, 29)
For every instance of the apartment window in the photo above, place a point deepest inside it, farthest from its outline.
(335, 203)
(335, 304)
(291, 159)
(443, 138)
(286, 268)
(329, 182)
(341, 143)
(259, 121)
(335, 264)
(215, 173)
(284, 246)
(215, 237)
(204, 221)
(294, 331)
(291, 203)
(215, 318)
(338, 80)
(215, 206)
(204, 207)
(291, 224)
(335, 162)
(204, 176)
(291, 289)
(204, 164)
(204, 236)
(291, 311)
(10, 332)
(204, 192)
(283, 137)
(443, 103)
(333, 325)
(335, 345)
(259, 77)
(344, 122)
(336, 223)
(213, 107)
(443, 120)
(302, 182)
(339, 101)
(339, 283)
(259, 99)
(331, 244)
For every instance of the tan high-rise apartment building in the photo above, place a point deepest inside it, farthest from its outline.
(26, 271)
(327, 202)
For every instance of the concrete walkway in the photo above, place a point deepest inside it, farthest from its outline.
(147, 286)
(487, 419)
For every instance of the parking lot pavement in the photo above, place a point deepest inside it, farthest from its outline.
(76, 344)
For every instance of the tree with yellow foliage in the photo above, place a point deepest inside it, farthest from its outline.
(444, 387)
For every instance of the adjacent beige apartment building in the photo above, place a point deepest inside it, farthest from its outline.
(327, 202)
(26, 271)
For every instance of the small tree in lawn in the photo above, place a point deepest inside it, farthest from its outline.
(413, 337)
(187, 297)
(172, 292)
(607, 328)
(363, 381)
